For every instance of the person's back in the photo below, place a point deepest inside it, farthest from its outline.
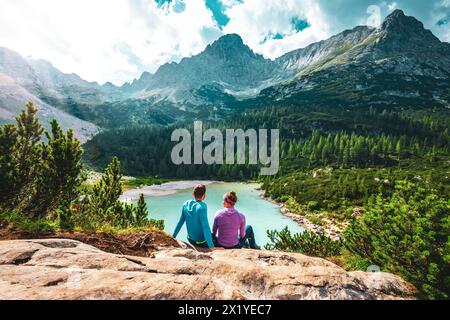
(195, 214)
(231, 226)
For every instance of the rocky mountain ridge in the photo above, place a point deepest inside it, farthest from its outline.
(399, 64)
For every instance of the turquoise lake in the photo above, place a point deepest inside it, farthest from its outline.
(261, 214)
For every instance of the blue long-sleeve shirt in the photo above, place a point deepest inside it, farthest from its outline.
(195, 214)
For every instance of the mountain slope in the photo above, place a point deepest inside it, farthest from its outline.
(13, 97)
(300, 59)
(399, 64)
(23, 80)
(228, 63)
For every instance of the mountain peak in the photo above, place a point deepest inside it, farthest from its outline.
(402, 32)
(228, 46)
(231, 38)
(397, 13)
(397, 21)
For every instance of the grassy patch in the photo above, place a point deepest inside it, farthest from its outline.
(26, 224)
(22, 223)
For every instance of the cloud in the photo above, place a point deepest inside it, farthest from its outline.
(374, 19)
(217, 8)
(441, 19)
(273, 28)
(392, 6)
(103, 40)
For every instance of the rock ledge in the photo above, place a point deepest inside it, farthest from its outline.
(67, 269)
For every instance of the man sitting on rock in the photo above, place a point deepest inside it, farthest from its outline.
(195, 214)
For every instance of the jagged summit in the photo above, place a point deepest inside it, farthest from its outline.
(396, 14)
(406, 30)
(230, 46)
(229, 39)
(397, 20)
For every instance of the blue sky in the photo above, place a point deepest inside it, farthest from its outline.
(348, 13)
(104, 40)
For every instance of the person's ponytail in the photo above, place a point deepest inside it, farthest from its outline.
(230, 198)
(233, 196)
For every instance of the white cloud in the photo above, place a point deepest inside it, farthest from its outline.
(440, 17)
(254, 21)
(392, 6)
(116, 40)
(106, 40)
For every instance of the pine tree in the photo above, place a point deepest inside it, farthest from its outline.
(27, 153)
(59, 176)
(8, 164)
(110, 187)
(102, 206)
(141, 212)
(407, 234)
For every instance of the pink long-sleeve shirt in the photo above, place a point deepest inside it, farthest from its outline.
(231, 226)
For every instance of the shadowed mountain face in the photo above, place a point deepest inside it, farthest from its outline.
(398, 64)
(400, 32)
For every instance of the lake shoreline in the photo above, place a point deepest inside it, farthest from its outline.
(333, 232)
(161, 190)
(173, 187)
(176, 186)
(261, 214)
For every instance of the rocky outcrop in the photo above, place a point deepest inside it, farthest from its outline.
(67, 269)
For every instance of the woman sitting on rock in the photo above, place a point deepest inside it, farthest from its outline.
(231, 226)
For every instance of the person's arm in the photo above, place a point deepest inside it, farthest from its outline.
(180, 224)
(243, 227)
(205, 226)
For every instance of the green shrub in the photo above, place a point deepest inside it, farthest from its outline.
(407, 233)
(308, 243)
(41, 183)
(37, 177)
(293, 205)
(315, 218)
(101, 207)
(24, 223)
(144, 181)
(313, 206)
